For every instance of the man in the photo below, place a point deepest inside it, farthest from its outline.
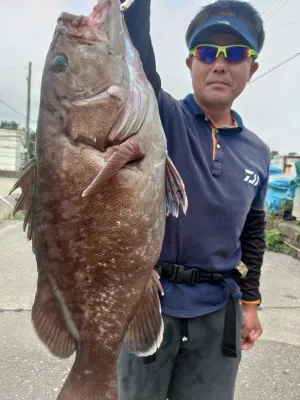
(209, 311)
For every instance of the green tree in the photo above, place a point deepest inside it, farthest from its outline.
(31, 147)
(13, 125)
(274, 153)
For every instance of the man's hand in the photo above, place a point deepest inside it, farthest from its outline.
(251, 329)
(126, 4)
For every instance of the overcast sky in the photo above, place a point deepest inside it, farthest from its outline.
(269, 106)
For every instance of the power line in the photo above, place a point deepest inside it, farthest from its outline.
(269, 10)
(12, 66)
(278, 9)
(13, 109)
(292, 23)
(277, 66)
(16, 111)
(267, 6)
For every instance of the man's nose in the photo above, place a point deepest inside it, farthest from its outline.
(220, 64)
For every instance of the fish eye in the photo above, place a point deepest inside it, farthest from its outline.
(60, 62)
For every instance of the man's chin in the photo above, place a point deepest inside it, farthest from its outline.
(217, 100)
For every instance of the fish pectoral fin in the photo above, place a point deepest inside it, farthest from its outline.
(125, 153)
(48, 321)
(145, 332)
(175, 190)
(26, 182)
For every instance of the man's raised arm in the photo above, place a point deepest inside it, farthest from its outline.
(137, 19)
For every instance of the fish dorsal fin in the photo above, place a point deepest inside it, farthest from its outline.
(26, 183)
(145, 332)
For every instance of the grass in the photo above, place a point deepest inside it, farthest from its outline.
(274, 241)
(19, 216)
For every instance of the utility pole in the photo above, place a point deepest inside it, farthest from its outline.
(27, 128)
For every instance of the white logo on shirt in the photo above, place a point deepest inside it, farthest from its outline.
(251, 177)
(224, 22)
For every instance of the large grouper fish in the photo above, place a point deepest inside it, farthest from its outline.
(96, 197)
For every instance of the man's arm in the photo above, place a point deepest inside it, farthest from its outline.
(137, 19)
(253, 248)
(253, 240)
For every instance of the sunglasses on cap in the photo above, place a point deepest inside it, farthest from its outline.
(233, 53)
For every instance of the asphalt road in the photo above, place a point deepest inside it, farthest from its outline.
(270, 371)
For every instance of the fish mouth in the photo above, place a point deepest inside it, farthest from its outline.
(87, 29)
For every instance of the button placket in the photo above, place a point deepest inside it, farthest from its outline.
(217, 139)
(217, 165)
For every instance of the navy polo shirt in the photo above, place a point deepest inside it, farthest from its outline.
(220, 192)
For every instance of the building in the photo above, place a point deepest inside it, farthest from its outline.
(286, 163)
(12, 151)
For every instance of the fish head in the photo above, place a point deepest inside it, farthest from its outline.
(86, 79)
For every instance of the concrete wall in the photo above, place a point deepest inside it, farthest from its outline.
(11, 150)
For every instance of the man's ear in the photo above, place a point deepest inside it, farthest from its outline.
(253, 69)
(189, 62)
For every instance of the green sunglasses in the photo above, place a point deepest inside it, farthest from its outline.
(233, 53)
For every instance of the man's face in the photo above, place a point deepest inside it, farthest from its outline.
(219, 83)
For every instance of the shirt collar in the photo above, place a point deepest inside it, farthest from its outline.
(196, 110)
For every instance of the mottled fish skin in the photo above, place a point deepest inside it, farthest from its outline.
(95, 254)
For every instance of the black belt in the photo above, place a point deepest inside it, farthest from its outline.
(180, 274)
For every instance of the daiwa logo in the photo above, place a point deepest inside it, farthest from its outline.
(251, 177)
(224, 22)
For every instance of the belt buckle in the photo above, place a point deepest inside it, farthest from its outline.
(174, 272)
(181, 274)
(194, 276)
(187, 275)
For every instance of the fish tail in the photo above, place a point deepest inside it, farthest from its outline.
(175, 190)
(87, 386)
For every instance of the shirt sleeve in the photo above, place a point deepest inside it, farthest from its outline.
(253, 238)
(259, 200)
(253, 248)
